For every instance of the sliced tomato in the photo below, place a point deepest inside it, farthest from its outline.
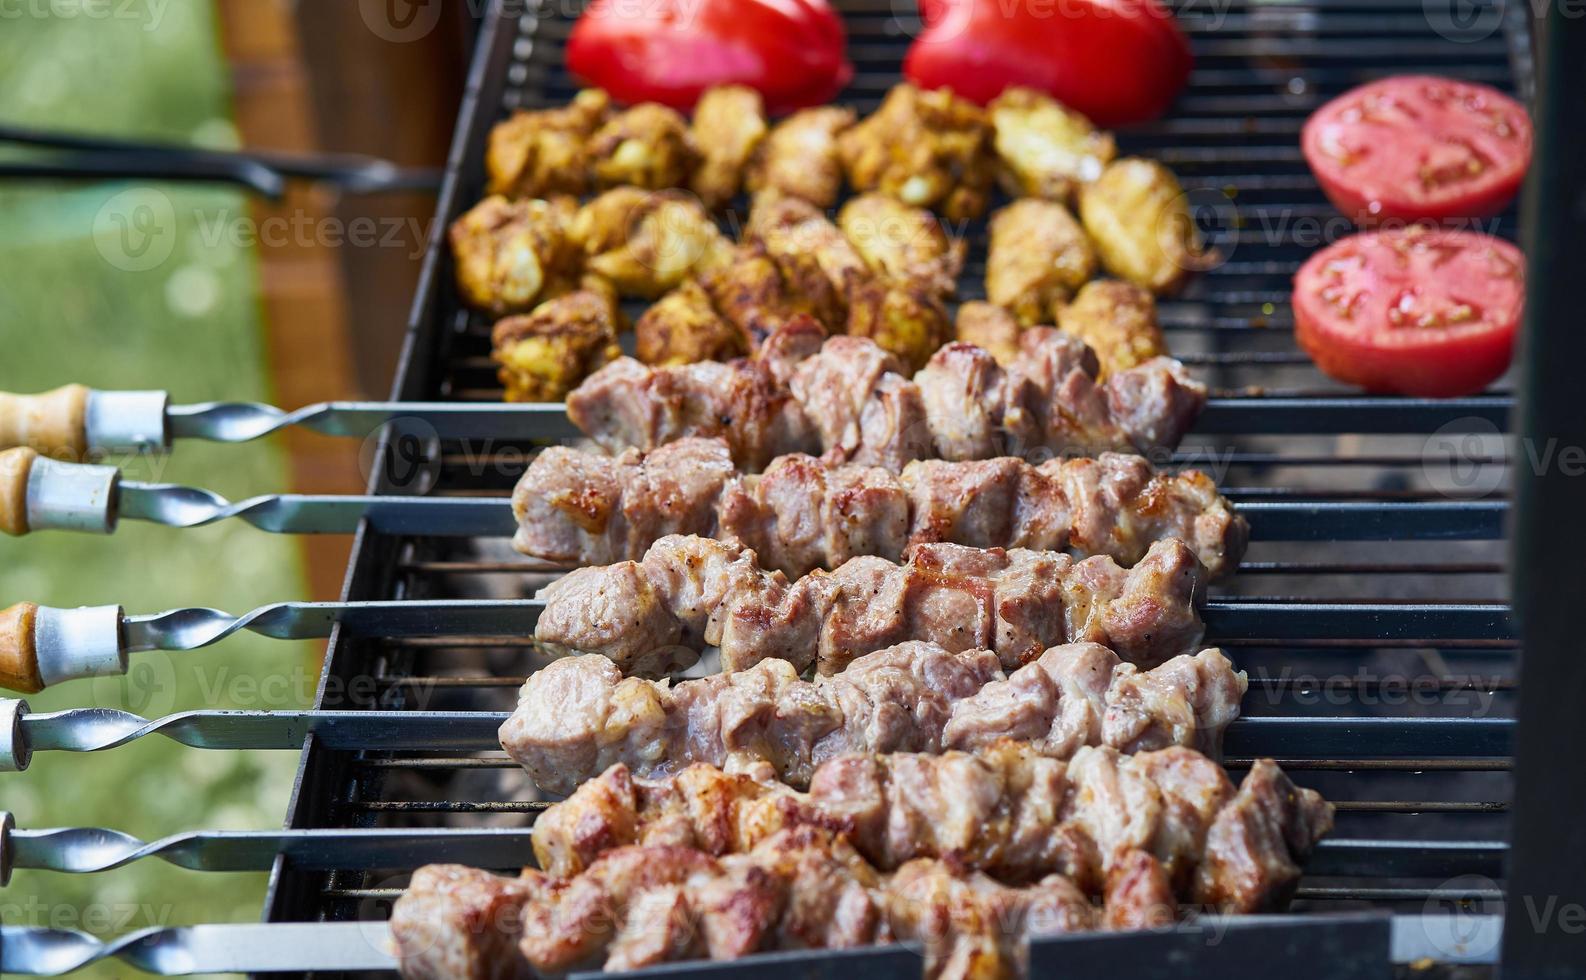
(1416, 311)
(1419, 148)
(1115, 61)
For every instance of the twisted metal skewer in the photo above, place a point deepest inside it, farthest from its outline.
(180, 951)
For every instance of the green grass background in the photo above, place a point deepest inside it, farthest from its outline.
(191, 325)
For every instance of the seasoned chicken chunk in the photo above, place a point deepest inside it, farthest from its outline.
(729, 123)
(989, 326)
(903, 243)
(545, 354)
(683, 327)
(1046, 149)
(903, 320)
(648, 145)
(926, 148)
(544, 152)
(758, 291)
(647, 242)
(1138, 217)
(507, 252)
(792, 225)
(1118, 320)
(799, 156)
(1037, 257)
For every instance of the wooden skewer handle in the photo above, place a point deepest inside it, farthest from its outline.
(52, 423)
(16, 465)
(19, 655)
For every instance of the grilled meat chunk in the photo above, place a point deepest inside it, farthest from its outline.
(1118, 321)
(1046, 149)
(545, 354)
(1007, 810)
(729, 123)
(510, 254)
(647, 242)
(990, 327)
(683, 327)
(1037, 257)
(928, 149)
(849, 398)
(579, 715)
(784, 224)
(760, 292)
(799, 157)
(806, 887)
(543, 152)
(1137, 215)
(800, 514)
(647, 145)
(457, 923)
(902, 243)
(691, 592)
(905, 321)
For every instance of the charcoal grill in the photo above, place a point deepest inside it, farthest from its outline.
(1383, 662)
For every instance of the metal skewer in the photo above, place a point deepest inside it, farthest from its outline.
(46, 494)
(41, 645)
(100, 729)
(77, 423)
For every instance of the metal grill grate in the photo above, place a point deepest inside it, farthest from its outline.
(1407, 732)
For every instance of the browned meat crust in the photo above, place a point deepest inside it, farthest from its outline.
(579, 715)
(805, 887)
(800, 514)
(1006, 810)
(850, 399)
(689, 592)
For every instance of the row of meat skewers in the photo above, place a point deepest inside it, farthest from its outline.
(962, 697)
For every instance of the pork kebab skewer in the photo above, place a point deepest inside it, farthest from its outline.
(578, 716)
(577, 507)
(849, 400)
(1006, 810)
(658, 615)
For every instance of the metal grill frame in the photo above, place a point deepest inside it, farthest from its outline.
(325, 773)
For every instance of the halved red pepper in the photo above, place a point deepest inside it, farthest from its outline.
(1116, 61)
(794, 52)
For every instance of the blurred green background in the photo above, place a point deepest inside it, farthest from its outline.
(74, 308)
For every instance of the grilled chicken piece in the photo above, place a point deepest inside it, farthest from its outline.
(543, 152)
(647, 146)
(1118, 321)
(850, 399)
(1007, 810)
(799, 157)
(545, 354)
(683, 327)
(647, 242)
(928, 149)
(1037, 257)
(904, 244)
(806, 887)
(761, 292)
(907, 322)
(800, 514)
(1137, 215)
(1046, 149)
(508, 253)
(990, 327)
(729, 123)
(579, 715)
(691, 592)
(785, 225)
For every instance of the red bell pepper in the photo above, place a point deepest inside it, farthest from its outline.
(1116, 61)
(794, 52)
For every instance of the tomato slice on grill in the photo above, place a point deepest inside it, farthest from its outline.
(1419, 148)
(1415, 311)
